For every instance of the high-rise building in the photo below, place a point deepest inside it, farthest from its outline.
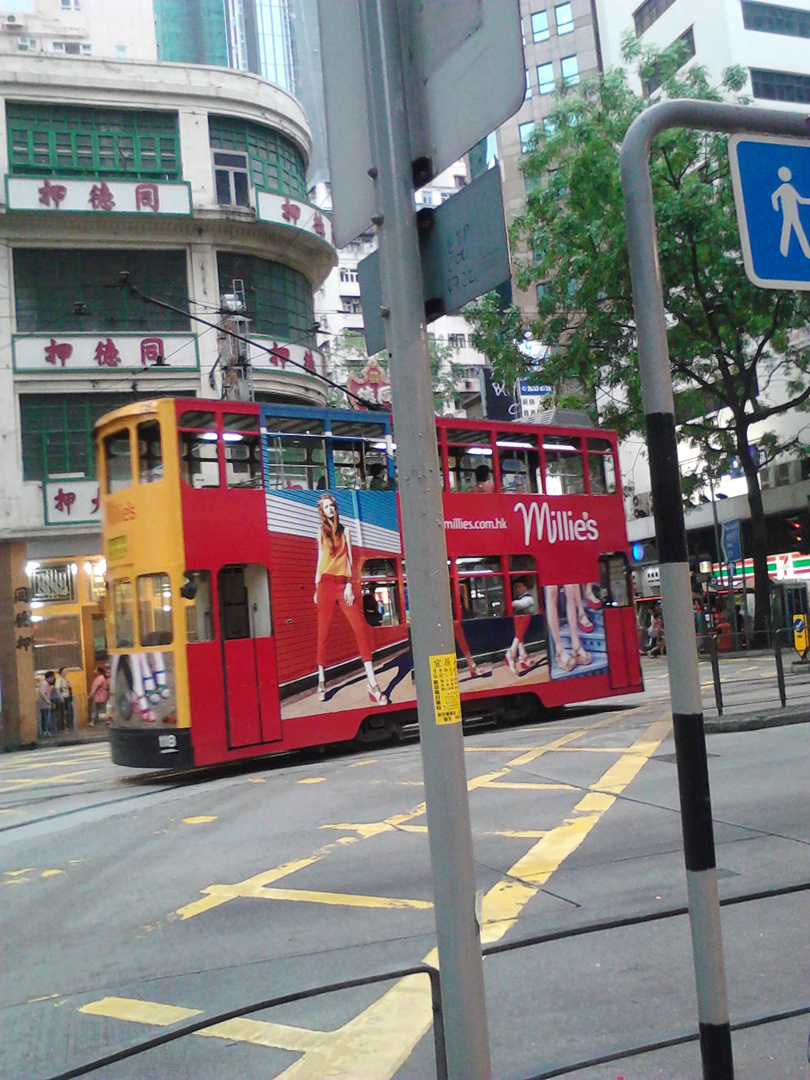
(191, 31)
(561, 46)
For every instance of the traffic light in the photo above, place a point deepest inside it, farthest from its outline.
(798, 527)
(643, 553)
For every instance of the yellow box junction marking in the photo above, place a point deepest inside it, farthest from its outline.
(446, 697)
(377, 1042)
(313, 780)
(203, 819)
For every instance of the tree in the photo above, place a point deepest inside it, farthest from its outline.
(738, 355)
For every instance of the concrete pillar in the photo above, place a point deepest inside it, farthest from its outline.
(18, 717)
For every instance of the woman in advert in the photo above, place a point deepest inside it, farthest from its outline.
(333, 586)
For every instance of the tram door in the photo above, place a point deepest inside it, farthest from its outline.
(621, 637)
(252, 713)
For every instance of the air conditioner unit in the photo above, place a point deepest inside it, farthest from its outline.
(12, 22)
(643, 505)
(767, 478)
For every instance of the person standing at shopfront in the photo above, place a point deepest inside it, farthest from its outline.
(46, 685)
(65, 703)
(99, 692)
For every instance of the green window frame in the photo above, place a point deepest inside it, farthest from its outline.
(57, 432)
(274, 161)
(61, 290)
(64, 140)
(279, 299)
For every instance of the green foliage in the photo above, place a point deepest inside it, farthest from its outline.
(736, 358)
(728, 339)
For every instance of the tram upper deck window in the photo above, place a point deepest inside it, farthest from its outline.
(150, 452)
(117, 461)
(469, 461)
(378, 579)
(358, 454)
(296, 454)
(565, 473)
(480, 583)
(154, 610)
(520, 463)
(199, 456)
(243, 453)
(123, 611)
(601, 467)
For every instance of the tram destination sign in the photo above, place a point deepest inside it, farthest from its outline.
(464, 253)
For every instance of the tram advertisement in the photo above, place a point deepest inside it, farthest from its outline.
(142, 688)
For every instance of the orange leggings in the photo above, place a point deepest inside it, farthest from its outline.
(521, 626)
(330, 592)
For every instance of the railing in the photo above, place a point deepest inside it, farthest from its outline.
(432, 973)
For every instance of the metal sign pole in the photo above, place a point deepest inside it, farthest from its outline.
(420, 488)
(684, 681)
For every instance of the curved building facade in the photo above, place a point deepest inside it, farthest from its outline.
(146, 207)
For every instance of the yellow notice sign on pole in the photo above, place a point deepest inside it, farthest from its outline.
(444, 677)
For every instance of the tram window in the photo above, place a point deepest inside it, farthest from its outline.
(199, 459)
(154, 610)
(244, 601)
(347, 458)
(243, 460)
(564, 467)
(520, 463)
(522, 584)
(199, 609)
(380, 592)
(241, 422)
(197, 419)
(601, 467)
(117, 461)
(296, 454)
(480, 583)
(615, 580)
(123, 614)
(150, 452)
(469, 460)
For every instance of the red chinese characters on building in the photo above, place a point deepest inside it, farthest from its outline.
(58, 353)
(290, 211)
(309, 361)
(371, 384)
(280, 354)
(152, 351)
(52, 193)
(101, 197)
(318, 224)
(96, 501)
(147, 197)
(63, 500)
(107, 354)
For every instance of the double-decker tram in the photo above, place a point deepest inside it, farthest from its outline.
(258, 591)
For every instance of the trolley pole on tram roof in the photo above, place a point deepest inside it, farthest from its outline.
(420, 491)
(676, 593)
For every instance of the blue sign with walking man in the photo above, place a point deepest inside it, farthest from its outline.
(771, 181)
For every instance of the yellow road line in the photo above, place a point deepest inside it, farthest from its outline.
(242, 1029)
(521, 786)
(142, 1012)
(343, 899)
(221, 894)
(377, 1042)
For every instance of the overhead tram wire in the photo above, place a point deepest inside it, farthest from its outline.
(124, 282)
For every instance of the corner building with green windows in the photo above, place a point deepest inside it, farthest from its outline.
(190, 184)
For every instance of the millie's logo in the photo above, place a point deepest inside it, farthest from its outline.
(554, 525)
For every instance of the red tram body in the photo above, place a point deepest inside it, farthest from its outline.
(240, 537)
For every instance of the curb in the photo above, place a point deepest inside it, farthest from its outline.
(717, 725)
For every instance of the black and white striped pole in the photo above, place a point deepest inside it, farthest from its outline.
(676, 591)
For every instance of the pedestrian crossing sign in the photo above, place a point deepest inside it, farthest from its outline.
(771, 181)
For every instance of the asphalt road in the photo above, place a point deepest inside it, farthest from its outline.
(134, 902)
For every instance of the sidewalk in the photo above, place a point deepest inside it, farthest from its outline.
(78, 737)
